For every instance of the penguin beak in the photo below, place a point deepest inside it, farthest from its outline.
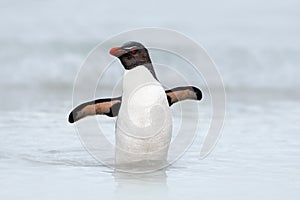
(117, 51)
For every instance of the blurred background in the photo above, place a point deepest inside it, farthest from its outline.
(255, 44)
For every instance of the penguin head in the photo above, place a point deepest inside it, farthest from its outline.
(131, 55)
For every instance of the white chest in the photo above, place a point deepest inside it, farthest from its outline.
(144, 124)
(145, 105)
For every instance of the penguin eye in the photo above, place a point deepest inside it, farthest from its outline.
(133, 52)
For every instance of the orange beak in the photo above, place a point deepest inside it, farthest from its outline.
(117, 51)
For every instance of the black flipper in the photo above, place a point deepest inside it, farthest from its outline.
(111, 106)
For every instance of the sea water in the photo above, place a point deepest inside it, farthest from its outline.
(256, 47)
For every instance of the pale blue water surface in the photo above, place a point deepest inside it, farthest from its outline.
(256, 47)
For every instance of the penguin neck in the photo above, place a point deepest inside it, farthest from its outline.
(137, 77)
(149, 66)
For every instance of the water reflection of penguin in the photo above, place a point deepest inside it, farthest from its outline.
(141, 186)
(144, 124)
